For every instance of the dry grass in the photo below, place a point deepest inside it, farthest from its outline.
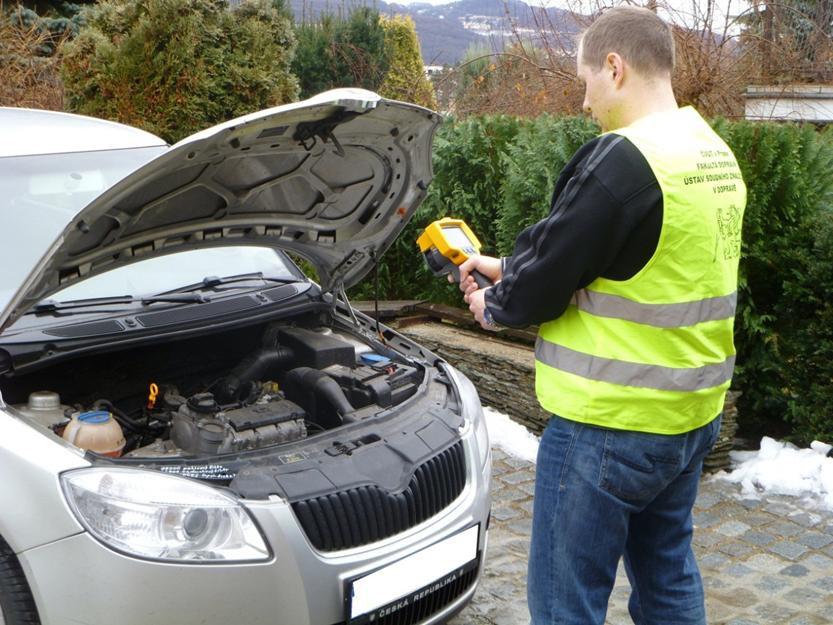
(29, 80)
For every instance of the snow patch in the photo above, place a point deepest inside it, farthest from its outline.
(783, 469)
(511, 437)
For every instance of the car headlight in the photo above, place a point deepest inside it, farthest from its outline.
(162, 517)
(472, 411)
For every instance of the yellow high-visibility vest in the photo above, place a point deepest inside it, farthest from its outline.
(655, 353)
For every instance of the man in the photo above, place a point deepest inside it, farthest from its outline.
(633, 278)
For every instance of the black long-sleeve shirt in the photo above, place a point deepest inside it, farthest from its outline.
(605, 221)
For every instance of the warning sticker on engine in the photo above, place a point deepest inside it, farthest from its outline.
(216, 472)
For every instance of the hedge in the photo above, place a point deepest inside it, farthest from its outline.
(497, 173)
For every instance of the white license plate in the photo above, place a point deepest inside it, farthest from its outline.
(394, 586)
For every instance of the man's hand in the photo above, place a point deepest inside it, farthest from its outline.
(477, 305)
(487, 265)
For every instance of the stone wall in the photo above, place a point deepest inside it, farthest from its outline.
(503, 372)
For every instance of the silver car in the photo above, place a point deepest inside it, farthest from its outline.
(191, 431)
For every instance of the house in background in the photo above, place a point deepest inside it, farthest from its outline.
(808, 103)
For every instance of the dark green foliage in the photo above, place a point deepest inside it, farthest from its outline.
(542, 148)
(335, 52)
(787, 172)
(174, 67)
(807, 348)
(469, 170)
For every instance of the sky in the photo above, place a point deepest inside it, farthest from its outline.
(776, 468)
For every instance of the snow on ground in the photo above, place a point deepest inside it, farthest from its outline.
(511, 437)
(783, 469)
(776, 469)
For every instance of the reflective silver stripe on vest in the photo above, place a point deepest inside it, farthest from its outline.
(631, 373)
(658, 315)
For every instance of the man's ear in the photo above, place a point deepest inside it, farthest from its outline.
(616, 66)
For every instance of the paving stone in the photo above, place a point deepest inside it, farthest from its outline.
(498, 454)
(818, 561)
(710, 581)
(758, 538)
(517, 477)
(795, 570)
(779, 508)
(815, 540)
(788, 549)
(785, 529)
(771, 585)
(802, 596)
(765, 563)
(706, 500)
(526, 506)
(736, 549)
(504, 513)
(756, 519)
(805, 519)
(703, 520)
(732, 528)
(738, 570)
(713, 561)
(517, 463)
(825, 583)
(528, 488)
(808, 619)
(773, 614)
(750, 504)
(737, 597)
(741, 621)
(706, 539)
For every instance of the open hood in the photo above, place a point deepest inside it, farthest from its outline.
(333, 179)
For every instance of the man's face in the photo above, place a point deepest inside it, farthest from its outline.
(599, 92)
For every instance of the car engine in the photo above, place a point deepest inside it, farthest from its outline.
(300, 381)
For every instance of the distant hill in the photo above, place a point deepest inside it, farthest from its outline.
(447, 31)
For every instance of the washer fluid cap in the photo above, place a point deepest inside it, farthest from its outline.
(95, 416)
(374, 359)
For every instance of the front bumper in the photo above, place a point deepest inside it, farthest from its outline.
(78, 580)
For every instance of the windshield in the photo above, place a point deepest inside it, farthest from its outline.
(165, 273)
(41, 194)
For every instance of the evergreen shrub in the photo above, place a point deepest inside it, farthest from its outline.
(541, 150)
(782, 288)
(173, 67)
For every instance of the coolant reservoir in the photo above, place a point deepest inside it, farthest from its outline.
(96, 431)
(44, 407)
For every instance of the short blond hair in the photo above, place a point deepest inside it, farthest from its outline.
(639, 36)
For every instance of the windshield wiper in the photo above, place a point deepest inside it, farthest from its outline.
(53, 306)
(209, 282)
(196, 298)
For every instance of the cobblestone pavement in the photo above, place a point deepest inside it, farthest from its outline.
(763, 562)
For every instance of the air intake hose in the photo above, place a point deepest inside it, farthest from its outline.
(320, 395)
(253, 367)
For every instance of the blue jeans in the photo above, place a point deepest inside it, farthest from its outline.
(602, 494)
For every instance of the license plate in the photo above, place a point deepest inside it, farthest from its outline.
(398, 585)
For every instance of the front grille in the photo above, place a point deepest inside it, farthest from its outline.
(368, 514)
(428, 605)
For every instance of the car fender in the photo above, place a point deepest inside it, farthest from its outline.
(34, 509)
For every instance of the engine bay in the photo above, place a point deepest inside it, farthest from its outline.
(243, 389)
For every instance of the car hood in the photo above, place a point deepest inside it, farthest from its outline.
(333, 179)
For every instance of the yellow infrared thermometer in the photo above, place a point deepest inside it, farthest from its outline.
(447, 243)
